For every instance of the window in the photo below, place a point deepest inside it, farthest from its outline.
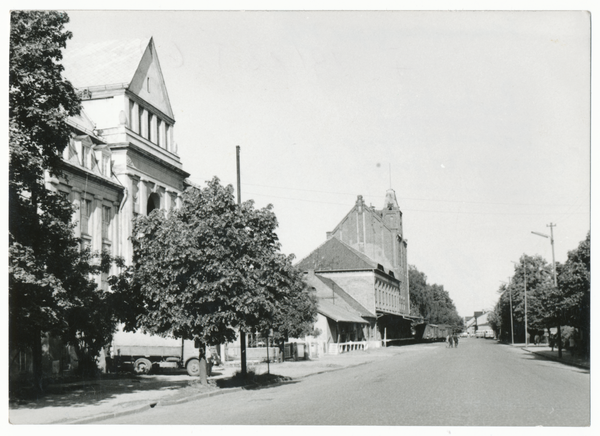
(131, 104)
(106, 218)
(159, 135)
(104, 275)
(86, 215)
(149, 130)
(140, 118)
(85, 156)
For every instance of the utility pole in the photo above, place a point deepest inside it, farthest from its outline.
(239, 200)
(526, 333)
(512, 333)
(552, 244)
(555, 279)
(525, 298)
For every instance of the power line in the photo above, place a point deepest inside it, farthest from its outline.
(412, 210)
(401, 197)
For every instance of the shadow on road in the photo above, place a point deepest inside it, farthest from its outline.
(537, 357)
(80, 393)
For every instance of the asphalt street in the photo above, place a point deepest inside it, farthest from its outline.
(480, 383)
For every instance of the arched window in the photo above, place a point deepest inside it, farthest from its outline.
(153, 203)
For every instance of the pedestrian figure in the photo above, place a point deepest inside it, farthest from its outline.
(449, 341)
(552, 340)
(572, 346)
(455, 339)
(536, 340)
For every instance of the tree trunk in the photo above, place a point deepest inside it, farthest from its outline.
(243, 353)
(36, 352)
(559, 340)
(202, 360)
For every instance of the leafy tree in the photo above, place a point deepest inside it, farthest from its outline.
(569, 303)
(210, 268)
(548, 305)
(420, 299)
(431, 302)
(574, 282)
(50, 289)
(534, 274)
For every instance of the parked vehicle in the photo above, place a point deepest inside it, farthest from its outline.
(431, 332)
(142, 353)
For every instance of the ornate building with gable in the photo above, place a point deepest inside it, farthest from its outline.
(122, 158)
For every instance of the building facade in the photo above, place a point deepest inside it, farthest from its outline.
(366, 256)
(121, 160)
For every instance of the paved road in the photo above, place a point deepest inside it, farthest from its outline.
(480, 383)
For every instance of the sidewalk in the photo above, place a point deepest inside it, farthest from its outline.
(546, 352)
(89, 401)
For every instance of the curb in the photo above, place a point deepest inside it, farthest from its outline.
(198, 396)
(109, 415)
(158, 403)
(556, 359)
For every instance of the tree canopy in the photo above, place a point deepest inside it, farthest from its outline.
(547, 305)
(432, 302)
(50, 284)
(209, 268)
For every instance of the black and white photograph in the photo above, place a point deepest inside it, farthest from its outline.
(300, 217)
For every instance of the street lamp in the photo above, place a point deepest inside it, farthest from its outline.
(525, 293)
(553, 275)
(552, 244)
(512, 334)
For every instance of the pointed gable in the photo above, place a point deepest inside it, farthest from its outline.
(148, 82)
(131, 64)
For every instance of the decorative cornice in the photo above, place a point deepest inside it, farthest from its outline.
(95, 177)
(130, 146)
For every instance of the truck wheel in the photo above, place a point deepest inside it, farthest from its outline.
(142, 366)
(193, 367)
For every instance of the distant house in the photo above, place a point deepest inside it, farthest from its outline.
(478, 325)
(365, 258)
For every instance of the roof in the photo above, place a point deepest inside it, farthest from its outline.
(337, 313)
(333, 254)
(103, 63)
(351, 301)
(116, 65)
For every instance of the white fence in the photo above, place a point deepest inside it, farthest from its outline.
(345, 347)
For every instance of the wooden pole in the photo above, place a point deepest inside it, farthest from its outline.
(239, 200)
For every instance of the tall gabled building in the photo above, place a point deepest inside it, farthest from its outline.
(366, 255)
(122, 158)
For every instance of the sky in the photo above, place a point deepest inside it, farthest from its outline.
(480, 122)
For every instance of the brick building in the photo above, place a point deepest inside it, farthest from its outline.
(366, 256)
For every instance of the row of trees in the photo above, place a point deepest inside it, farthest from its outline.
(431, 302)
(548, 306)
(203, 271)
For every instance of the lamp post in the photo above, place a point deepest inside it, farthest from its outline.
(553, 275)
(525, 299)
(512, 334)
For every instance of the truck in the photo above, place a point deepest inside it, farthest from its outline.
(143, 353)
